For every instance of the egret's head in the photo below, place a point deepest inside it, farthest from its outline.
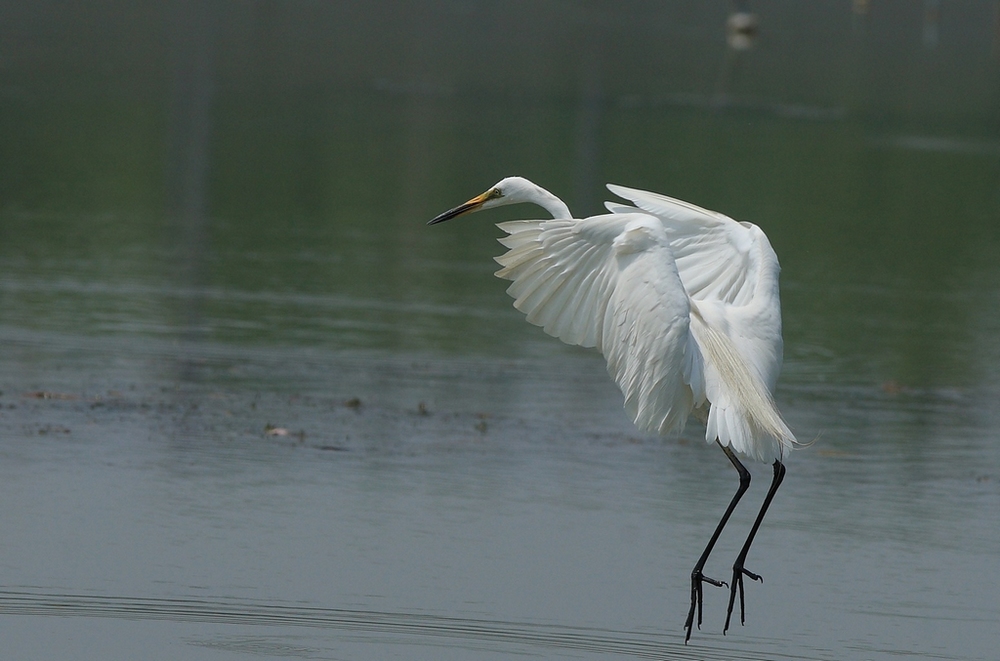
(506, 191)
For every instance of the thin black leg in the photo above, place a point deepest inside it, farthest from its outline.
(738, 570)
(697, 578)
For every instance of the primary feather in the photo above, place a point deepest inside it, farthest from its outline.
(609, 281)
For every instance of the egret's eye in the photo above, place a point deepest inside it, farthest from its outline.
(495, 193)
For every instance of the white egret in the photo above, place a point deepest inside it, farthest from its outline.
(682, 302)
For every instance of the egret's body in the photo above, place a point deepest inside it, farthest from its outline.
(681, 301)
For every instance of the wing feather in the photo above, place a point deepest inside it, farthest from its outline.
(667, 295)
(610, 281)
(712, 251)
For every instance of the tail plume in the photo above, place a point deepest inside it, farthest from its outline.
(743, 388)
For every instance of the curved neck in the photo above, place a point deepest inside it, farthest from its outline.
(549, 202)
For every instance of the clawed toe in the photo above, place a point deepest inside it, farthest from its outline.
(697, 579)
(738, 573)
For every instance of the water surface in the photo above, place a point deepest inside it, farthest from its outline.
(251, 407)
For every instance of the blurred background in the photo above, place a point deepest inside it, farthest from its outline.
(219, 301)
(297, 146)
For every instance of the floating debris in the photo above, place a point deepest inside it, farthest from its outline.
(53, 429)
(353, 403)
(272, 430)
(422, 409)
(892, 387)
(45, 394)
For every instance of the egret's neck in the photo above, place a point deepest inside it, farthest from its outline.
(550, 203)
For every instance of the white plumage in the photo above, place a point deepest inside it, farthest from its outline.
(681, 301)
(609, 282)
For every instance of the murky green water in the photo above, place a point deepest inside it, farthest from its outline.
(252, 407)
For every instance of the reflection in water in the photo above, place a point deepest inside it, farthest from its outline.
(188, 153)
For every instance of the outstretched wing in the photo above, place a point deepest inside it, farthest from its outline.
(730, 272)
(712, 251)
(610, 281)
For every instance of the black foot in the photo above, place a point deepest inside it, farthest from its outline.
(697, 579)
(738, 573)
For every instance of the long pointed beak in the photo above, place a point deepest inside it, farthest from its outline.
(472, 205)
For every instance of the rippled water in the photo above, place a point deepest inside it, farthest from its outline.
(432, 506)
(251, 407)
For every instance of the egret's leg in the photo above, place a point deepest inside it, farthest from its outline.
(738, 571)
(697, 578)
